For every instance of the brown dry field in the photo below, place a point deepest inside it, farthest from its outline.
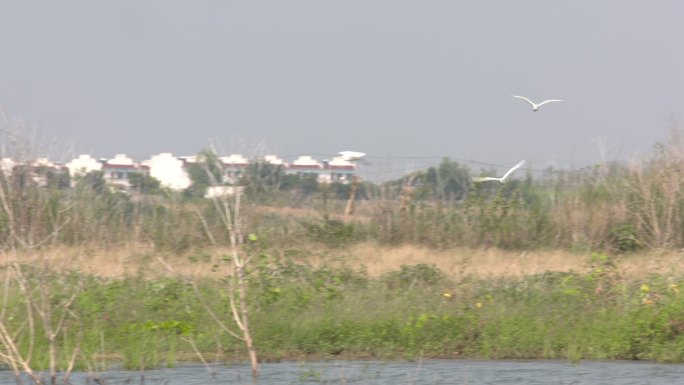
(375, 259)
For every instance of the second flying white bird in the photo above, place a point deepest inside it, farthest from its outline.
(503, 178)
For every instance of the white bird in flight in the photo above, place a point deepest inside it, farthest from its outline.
(535, 106)
(503, 178)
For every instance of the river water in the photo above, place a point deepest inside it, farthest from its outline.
(470, 372)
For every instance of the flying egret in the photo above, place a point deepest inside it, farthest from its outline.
(535, 106)
(503, 178)
(352, 155)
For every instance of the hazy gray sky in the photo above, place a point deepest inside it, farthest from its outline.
(395, 79)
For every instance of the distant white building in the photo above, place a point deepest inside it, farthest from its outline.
(221, 191)
(188, 158)
(339, 169)
(41, 167)
(234, 166)
(83, 165)
(6, 165)
(304, 165)
(234, 159)
(169, 171)
(274, 160)
(117, 169)
(44, 162)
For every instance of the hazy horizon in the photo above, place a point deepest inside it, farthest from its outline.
(408, 83)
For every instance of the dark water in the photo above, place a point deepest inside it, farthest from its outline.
(470, 372)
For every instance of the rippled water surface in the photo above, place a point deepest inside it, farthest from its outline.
(469, 372)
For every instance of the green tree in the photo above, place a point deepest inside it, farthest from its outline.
(306, 183)
(59, 180)
(455, 179)
(143, 183)
(206, 171)
(262, 178)
(94, 180)
(448, 181)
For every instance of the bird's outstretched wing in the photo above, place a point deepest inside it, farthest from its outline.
(484, 178)
(525, 99)
(548, 101)
(517, 166)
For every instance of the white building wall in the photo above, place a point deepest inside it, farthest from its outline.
(341, 161)
(117, 169)
(221, 191)
(43, 162)
(274, 160)
(121, 160)
(234, 159)
(83, 165)
(169, 171)
(306, 160)
(7, 164)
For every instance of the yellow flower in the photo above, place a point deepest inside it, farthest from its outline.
(446, 294)
(675, 288)
(644, 287)
(479, 305)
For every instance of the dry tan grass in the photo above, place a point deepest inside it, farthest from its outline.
(112, 262)
(497, 263)
(375, 259)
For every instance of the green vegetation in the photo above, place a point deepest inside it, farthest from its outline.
(415, 311)
(607, 207)
(52, 318)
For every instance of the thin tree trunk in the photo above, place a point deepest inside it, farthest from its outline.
(349, 210)
(245, 321)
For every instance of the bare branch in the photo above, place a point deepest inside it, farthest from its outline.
(211, 371)
(205, 225)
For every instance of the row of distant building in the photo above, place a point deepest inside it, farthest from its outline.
(172, 173)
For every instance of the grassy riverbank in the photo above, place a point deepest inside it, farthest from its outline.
(302, 310)
(568, 264)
